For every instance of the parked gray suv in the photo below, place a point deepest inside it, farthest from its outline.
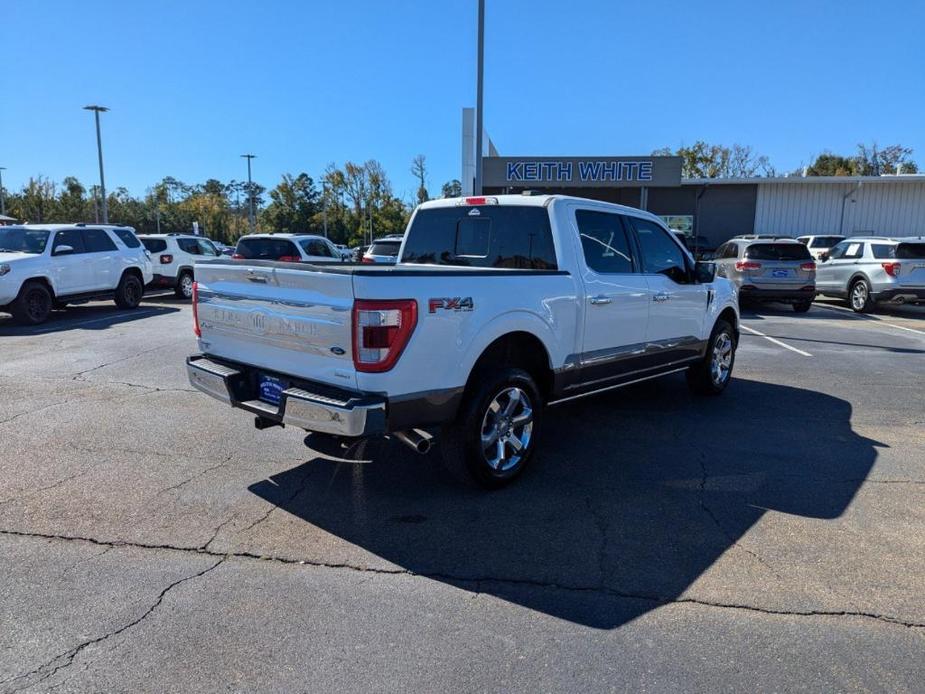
(868, 269)
(769, 269)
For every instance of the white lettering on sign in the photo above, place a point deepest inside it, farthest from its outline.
(592, 170)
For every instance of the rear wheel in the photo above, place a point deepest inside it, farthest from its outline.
(33, 305)
(859, 297)
(802, 306)
(711, 375)
(184, 288)
(129, 291)
(495, 435)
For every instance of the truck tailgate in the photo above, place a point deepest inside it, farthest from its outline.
(287, 319)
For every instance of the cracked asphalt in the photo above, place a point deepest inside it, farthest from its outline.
(774, 538)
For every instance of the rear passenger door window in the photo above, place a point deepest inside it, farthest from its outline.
(660, 254)
(97, 241)
(604, 242)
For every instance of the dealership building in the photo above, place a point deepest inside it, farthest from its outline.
(715, 209)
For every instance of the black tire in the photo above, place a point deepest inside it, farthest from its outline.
(859, 297)
(462, 442)
(129, 291)
(709, 378)
(59, 305)
(184, 288)
(33, 305)
(802, 306)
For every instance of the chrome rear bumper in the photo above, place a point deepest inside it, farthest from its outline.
(329, 410)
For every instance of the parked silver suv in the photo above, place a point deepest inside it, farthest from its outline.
(868, 269)
(769, 269)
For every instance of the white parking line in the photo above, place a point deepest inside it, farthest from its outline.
(776, 341)
(861, 316)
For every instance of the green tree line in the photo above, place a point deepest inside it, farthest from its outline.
(349, 203)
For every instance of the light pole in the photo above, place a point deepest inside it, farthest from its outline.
(2, 202)
(251, 221)
(478, 99)
(99, 148)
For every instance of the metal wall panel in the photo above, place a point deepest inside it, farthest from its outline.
(889, 208)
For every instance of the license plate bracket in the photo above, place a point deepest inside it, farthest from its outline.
(270, 389)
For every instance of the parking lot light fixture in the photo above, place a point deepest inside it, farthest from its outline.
(99, 149)
(2, 202)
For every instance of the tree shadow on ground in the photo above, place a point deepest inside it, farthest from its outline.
(633, 495)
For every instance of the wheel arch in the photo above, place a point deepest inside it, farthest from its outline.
(516, 349)
(42, 279)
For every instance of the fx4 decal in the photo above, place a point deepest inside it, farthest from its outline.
(450, 304)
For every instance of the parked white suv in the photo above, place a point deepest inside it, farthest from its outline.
(497, 307)
(173, 257)
(46, 266)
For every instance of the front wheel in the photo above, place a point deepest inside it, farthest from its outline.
(33, 305)
(495, 435)
(129, 291)
(711, 375)
(859, 297)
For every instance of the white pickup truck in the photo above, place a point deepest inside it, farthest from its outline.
(497, 308)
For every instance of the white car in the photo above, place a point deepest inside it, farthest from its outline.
(384, 250)
(173, 257)
(292, 248)
(498, 307)
(46, 266)
(820, 245)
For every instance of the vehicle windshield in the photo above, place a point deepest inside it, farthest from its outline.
(825, 241)
(777, 251)
(23, 240)
(389, 248)
(910, 251)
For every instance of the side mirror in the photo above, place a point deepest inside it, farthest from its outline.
(704, 272)
(63, 250)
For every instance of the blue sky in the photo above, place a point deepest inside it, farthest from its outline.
(194, 84)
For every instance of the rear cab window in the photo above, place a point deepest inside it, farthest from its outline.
(267, 249)
(777, 251)
(489, 236)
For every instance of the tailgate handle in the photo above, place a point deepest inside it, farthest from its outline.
(256, 276)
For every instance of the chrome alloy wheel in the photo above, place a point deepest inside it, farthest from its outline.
(507, 428)
(858, 296)
(721, 359)
(186, 285)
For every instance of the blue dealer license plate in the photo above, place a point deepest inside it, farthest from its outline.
(271, 389)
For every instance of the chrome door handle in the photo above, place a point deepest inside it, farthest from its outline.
(661, 296)
(600, 299)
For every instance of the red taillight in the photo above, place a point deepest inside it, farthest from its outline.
(237, 256)
(166, 259)
(368, 261)
(747, 265)
(381, 329)
(196, 328)
(289, 259)
(892, 269)
(808, 266)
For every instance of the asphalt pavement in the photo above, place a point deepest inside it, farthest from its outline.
(773, 538)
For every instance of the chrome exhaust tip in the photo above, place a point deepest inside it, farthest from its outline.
(415, 439)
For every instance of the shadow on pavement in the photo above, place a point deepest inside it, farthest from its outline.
(633, 494)
(90, 317)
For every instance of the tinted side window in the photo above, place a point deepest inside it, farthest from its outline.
(154, 245)
(189, 246)
(518, 237)
(604, 242)
(127, 237)
(69, 237)
(883, 251)
(316, 247)
(910, 251)
(97, 241)
(266, 249)
(206, 247)
(659, 253)
(838, 251)
(854, 250)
